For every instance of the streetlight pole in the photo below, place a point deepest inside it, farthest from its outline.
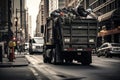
(20, 40)
(21, 13)
(16, 24)
(21, 24)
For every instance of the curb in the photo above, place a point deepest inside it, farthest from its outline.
(19, 62)
(13, 65)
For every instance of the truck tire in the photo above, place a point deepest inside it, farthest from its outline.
(46, 57)
(68, 60)
(86, 58)
(57, 56)
(30, 51)
(53, 57)
(45, 60)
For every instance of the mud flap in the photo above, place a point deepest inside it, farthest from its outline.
(86, 58)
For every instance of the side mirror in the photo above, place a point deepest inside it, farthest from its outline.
(30, 41)
(42, 29)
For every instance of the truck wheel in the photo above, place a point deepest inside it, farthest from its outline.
(31, 52)
(45, 60)
(57, 56)
(68, 60)
(86, 58)
(53, 57)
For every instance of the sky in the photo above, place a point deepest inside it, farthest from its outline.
(33, 7)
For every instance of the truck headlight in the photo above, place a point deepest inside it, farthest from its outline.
(67, 39)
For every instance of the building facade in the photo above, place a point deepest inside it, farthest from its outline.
(45, 9)
(108, 15)
(71, 3)
(53, 5)
(5, 20)
(20, 20)
(40, 22)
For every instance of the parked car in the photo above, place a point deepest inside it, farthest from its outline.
(109, 50)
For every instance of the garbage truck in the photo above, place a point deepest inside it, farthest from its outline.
(69, 36)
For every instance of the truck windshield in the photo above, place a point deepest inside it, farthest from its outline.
(38, 40)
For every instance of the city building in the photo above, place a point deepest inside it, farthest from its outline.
(53, 5)
(20, 20)
(45, 9)
(71, 3)
(5, 20)
(108, 15)
(40, 22)
(61, 4)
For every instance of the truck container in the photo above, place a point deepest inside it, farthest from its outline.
(69, 38)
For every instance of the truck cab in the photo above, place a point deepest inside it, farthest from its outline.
(36, 45)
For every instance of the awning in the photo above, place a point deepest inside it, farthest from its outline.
(109, 32)
(106, 16)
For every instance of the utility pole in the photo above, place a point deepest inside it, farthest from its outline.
(20, 25)
(9, 21)
(25, 23)
(16, 24)
(21, 13)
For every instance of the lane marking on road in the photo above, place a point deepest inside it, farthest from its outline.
(50, 71)
(38, 58)
(111, 60)
(31, 60)
(106, 59)
(34, 71)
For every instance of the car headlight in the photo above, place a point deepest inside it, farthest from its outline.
(33, 47)
(67, 39)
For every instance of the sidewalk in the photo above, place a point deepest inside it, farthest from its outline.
(20, 60)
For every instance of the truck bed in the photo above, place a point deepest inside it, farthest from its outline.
(80, 33)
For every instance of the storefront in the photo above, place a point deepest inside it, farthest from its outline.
(109, 27)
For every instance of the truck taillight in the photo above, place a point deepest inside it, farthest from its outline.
(70, 49)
